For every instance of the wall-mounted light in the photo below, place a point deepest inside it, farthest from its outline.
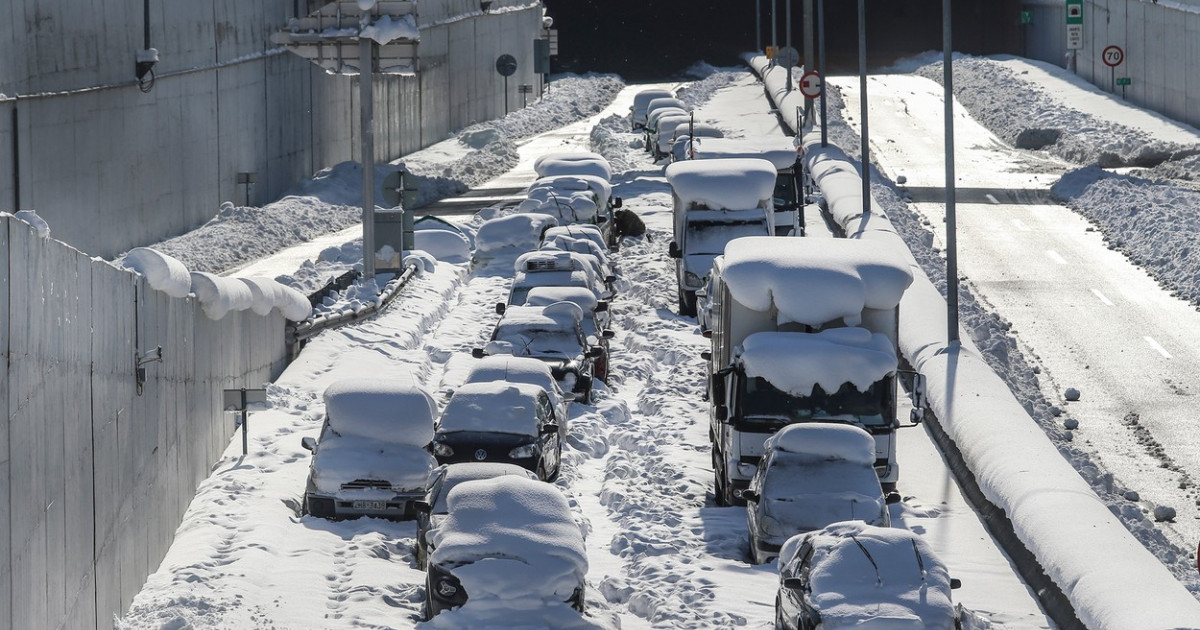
(484, 5)
(141, 360)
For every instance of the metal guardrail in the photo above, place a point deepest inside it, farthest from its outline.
(297, 333)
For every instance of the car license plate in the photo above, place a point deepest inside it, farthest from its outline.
(370, 505)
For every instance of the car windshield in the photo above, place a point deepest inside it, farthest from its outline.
(762, 403)
(541, 342)
(710, 237)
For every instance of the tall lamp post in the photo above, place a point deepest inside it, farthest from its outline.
(862, 89)
(951, 218)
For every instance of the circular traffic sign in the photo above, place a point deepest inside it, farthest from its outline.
(1113, 56)
(811, 84)
(506, 65)
(787, 57)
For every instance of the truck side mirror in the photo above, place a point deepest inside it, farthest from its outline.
(422, 507)
(608, 334)
(501, 307)
(793, 583)
(549, 428)
(309, 444)
(673, 250)
(617, 202)
(955, 583)
(477, 353)
(892, 497)
(721, 413)
(707, 334)
(750, 495)
(706, 355)
(601, 307)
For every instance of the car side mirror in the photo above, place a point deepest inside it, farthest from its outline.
(309, 444)
(750, 495)
(550, 428)
(595, 352)
(955, 583)
(673, 250)
(422, 507)
(707, 354)
(501, 307)
(707, 334)
(892, 498)
(721, 413)
(608, 334)
(610, 279)
(617, 202)
(478, 353)
(601, 306)
(793, 583)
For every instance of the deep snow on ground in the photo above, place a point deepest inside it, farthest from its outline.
(636, 465)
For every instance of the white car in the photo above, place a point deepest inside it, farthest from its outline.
(811, 475)
(511, 234)
(637, 111)
(506, 540)
(372, 457)
(573, 163)
(852, 575)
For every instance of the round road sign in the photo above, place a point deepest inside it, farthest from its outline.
(787, 57)
(1113, 56)
(506, 65)
(811, 84)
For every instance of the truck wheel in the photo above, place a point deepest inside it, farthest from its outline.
(720, 488)
(687, 303)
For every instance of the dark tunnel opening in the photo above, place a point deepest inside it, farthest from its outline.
(644, 41)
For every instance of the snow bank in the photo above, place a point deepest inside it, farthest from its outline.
(162, 272)
(825, 442)
(794, 362)
(386, 409)
(492, 407)
(573, 163)
(819, 282)
(511, 539)
(516, 232)
(735, 184)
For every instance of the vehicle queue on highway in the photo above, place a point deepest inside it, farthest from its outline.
(802, 382)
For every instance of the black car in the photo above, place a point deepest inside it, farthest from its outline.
(552, 334)
(511, 423)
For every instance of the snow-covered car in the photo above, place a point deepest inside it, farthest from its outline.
(510, 423)
(592, 233)
(372, 457)
(664, 133)
(855, 575)
(506, 542)
(685, 137)
(595, 319)
(637, 111)
(511, 234)
(573, 163)
(550, 268)
(662, 103)
(652, 119)
(585, 247)
(553, 334)
(432, 510)
(812, 475)
(512, 369)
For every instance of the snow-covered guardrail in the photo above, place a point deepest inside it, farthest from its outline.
(298, 332)
(1109, 579)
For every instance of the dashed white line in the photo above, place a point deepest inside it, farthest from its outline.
(1020, 225)
(1154, 344)
(1105, 300)
(1056, 257)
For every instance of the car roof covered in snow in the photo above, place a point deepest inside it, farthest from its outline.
(890, 584)
(573, 163)
(454, 474)
(390, 409)
(545, 296)
(493, 406)
(822, 281)
(778, 150)
(556, 315)
(730, 184)
(511, 538)
(794, 362)
(515, 231)
(824, 442)
(513, 370)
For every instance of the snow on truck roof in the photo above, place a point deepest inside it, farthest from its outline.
(511, 538)
(778, 150)
(817, 281)
(733, 184)
(794, 362)
(389, 409)
(825, 442)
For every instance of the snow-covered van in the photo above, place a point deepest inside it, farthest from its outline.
(715, 201)
(781, 151)
(641, 100)
(802, 334)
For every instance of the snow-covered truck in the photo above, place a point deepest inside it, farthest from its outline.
(715, 201)
(803, 334)
(781, 151)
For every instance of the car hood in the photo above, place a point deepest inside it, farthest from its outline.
(547, 578)
(781, 518)
(342, 459)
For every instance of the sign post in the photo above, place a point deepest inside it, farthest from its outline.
(1113, 56)
(506, 65)
(237, 401)
(1074, 28)
(811, 84)
(788, 57)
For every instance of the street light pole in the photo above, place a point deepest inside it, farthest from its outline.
(821, 62)
(951, 213)
(367, 143)
(758, 25)
(862, 89)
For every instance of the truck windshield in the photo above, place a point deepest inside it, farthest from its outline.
(710, 237)
(763, 404)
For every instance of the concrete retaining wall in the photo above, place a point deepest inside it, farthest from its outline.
(1161, 41)
(111, 167)
(95, 470)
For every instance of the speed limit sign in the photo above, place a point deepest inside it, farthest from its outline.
(1113, 56)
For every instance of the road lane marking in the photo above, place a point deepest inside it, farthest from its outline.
(992, 198)
(1154, 344)
(1056, 257)
(1105, 300)
(1021, 225)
